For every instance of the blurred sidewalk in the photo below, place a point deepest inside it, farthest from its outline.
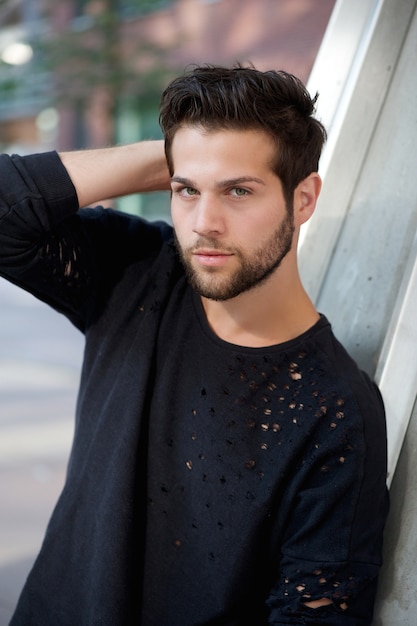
(40, 359)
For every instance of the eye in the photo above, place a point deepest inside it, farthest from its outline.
(183, 191)
(186, 192)
(239, 192)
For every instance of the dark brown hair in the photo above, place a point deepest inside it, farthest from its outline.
(243, 98)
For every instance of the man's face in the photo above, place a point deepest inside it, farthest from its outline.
(232, 225)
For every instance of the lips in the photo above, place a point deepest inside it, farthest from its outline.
(210, 257)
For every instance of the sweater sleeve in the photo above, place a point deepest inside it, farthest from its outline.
(333, 543)
(37, 199)
(66, 257)
(39, 185)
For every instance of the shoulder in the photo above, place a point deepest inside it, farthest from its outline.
(340, 363)
(359, 406)
(345, 390)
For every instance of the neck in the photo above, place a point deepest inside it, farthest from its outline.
(274, 312)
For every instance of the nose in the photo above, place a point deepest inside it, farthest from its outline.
(209, 217)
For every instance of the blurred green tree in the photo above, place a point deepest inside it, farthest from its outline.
(96, 50)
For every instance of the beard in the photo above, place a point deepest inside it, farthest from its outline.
(253, 269)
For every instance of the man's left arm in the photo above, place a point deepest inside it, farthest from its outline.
(331, 555)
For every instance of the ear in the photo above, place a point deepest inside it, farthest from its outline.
(305, 198)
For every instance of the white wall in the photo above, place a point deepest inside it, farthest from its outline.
(359, 254)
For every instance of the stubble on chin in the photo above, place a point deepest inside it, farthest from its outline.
(251, 272)
(208, 282)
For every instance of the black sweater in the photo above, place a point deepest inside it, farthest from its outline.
(208, 483)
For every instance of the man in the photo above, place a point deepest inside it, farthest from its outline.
(229, 458)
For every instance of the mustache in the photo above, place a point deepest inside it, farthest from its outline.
(204, 243)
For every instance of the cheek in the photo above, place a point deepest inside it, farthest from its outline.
(258, 229)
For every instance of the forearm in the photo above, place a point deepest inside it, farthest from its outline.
(118, 171)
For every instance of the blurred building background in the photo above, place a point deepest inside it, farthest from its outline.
(86, 73)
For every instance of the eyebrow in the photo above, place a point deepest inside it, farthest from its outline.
(231, 182)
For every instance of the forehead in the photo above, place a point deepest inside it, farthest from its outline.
(197, 148)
